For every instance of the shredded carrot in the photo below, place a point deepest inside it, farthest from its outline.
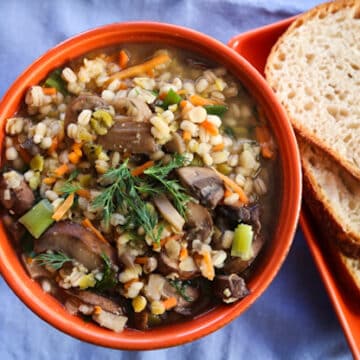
(218, 147)
(162, 96)
(209, 272)
(123, 59)
(87, 223)
(181, 92)
(136, 70)
(76, 147)
(170, 303)
(263, 136)
(168, 238)
(233, 186)
(198, 100)
(227, 192)
(210, 127)
(183, 253)
(123, 86)
(183, 104)
(150, 73)
(186, 135)
(64, 207)
(128, 283)
(49, 180)
(54, 145)
(84, 193)
(140, 169)
(142, 260)
(97, 310)
(61, 170)
(73, 157)
(49, 90)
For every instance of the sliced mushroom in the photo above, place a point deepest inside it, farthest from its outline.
(82, 102)
(229, 216)
(141, 320)
(15, 230)
(167, 266)
(77, 242)
(238, 265)
(198, 221)
(168, 212)
(205, 184)
(129, 136)
(21, 198)
(176, 144)
(230, 288)
(133, 107)
(91, 298)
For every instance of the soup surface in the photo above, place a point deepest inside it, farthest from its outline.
(139, 185)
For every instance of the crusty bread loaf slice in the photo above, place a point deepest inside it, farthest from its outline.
(314, 68)
(333, 195)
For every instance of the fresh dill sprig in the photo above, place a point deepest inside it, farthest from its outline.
(69, 186)
(56, 260)
(122, 193)
(160, 172)
(109, 279)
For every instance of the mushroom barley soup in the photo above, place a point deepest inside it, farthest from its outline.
(138, 185)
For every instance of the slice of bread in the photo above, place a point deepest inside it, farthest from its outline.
(314, 68)
(333, 195)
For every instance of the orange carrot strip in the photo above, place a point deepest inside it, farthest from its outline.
(84, 193)
(198, 100)
(209, 268)
(263, 136)
(162, 96)
(128, 283)
(183, 103)
(170, 303)
(183, 253)
(218, 147)
(73, 157)
(186, 135)
(49, 91)
(61, 170)
(49, 180)
(136, 70)
(142, 260)
(54, 145)
(97, 310)
(168, 238)
(227, 192)
(140, 169)
(123, 86)
(210, 128)
(233, 186)
(87, 223)
(123, 59)
(64, 207)
(76, 147)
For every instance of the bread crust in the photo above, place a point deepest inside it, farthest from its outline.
(321, 10)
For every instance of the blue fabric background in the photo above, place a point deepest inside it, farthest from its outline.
(293, 319)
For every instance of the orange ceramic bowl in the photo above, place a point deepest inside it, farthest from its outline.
(289, 190)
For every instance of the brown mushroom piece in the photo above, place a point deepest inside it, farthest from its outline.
(141, 320)
(131, 136)
(133, 107)
(199, 221)
(82, 102)
(230, 288)
(166, 266)
(77, 242)
(21, 198)
(238, 265)
(13, 228)
(176, 144)
(168, 212)
(229, 216)
(204, 183)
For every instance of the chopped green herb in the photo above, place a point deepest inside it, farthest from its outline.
(56, 260)
(171, 98)
(109, 279)
(229, 131)
(218, 110)
(180, 287)
(55, 80)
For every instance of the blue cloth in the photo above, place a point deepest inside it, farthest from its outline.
(293, 319)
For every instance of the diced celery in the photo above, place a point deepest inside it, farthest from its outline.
(55, 80)
(38, 218)
(171, 98)
(218, 110)
(242, 242)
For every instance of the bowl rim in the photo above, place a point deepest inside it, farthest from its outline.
(44, 305)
